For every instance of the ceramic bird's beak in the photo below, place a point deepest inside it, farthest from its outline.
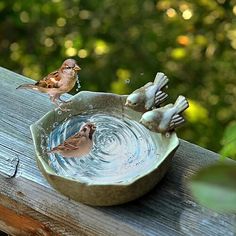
(77, 68)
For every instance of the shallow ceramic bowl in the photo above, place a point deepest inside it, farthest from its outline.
(103, 193)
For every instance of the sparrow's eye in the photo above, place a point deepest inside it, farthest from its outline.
(84, 129)
(68, 67)
(134, 103)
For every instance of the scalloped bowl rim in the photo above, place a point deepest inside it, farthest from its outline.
(173, 145)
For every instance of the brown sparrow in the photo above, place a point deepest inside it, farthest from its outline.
(78, 144)
(58, 82)
(148, 96)
(167, 118)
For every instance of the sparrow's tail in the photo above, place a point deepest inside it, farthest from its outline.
(27, 86)
(161, 80)
(181, 104)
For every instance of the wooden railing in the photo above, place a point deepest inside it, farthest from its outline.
(29, 206)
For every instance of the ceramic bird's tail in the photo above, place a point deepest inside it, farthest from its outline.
(27, 86)
(181, 104)
(161, 80)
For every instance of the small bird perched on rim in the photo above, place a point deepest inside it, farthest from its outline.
(167, 118)
(58, 82)
(78, 144)
(148, 96)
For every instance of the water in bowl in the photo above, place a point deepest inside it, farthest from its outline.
(122, 150)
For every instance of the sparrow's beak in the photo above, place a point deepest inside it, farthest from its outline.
(126, 103)
(141, 121)
(77, 68)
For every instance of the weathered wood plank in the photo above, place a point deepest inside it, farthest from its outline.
(167, 210)
(21, 224)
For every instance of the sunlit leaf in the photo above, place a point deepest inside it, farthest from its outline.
(2, 5)
(215, 187)
(229, 150)
(183, 40)
(178, 53)
(123, 74)
(229, 134)
(229, 141)
(101, 47)
(201, 40)
(120, 86)
(196, 113)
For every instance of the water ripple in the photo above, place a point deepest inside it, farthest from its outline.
(122, 149)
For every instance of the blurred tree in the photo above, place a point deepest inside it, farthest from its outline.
(120, 45)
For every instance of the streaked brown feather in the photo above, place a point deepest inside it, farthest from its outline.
(72, 143)
(49, 81)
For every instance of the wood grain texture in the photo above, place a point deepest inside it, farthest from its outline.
(19, 224)
(167, 210)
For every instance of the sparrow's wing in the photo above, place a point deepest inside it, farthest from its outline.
(50, 81)
(72, 143)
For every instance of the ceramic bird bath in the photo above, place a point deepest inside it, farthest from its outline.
(126, 161)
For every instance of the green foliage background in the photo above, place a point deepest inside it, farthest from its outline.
(120, 46)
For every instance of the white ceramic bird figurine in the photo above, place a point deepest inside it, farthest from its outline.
(167, 118)
(148, 96)
(78, 144)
